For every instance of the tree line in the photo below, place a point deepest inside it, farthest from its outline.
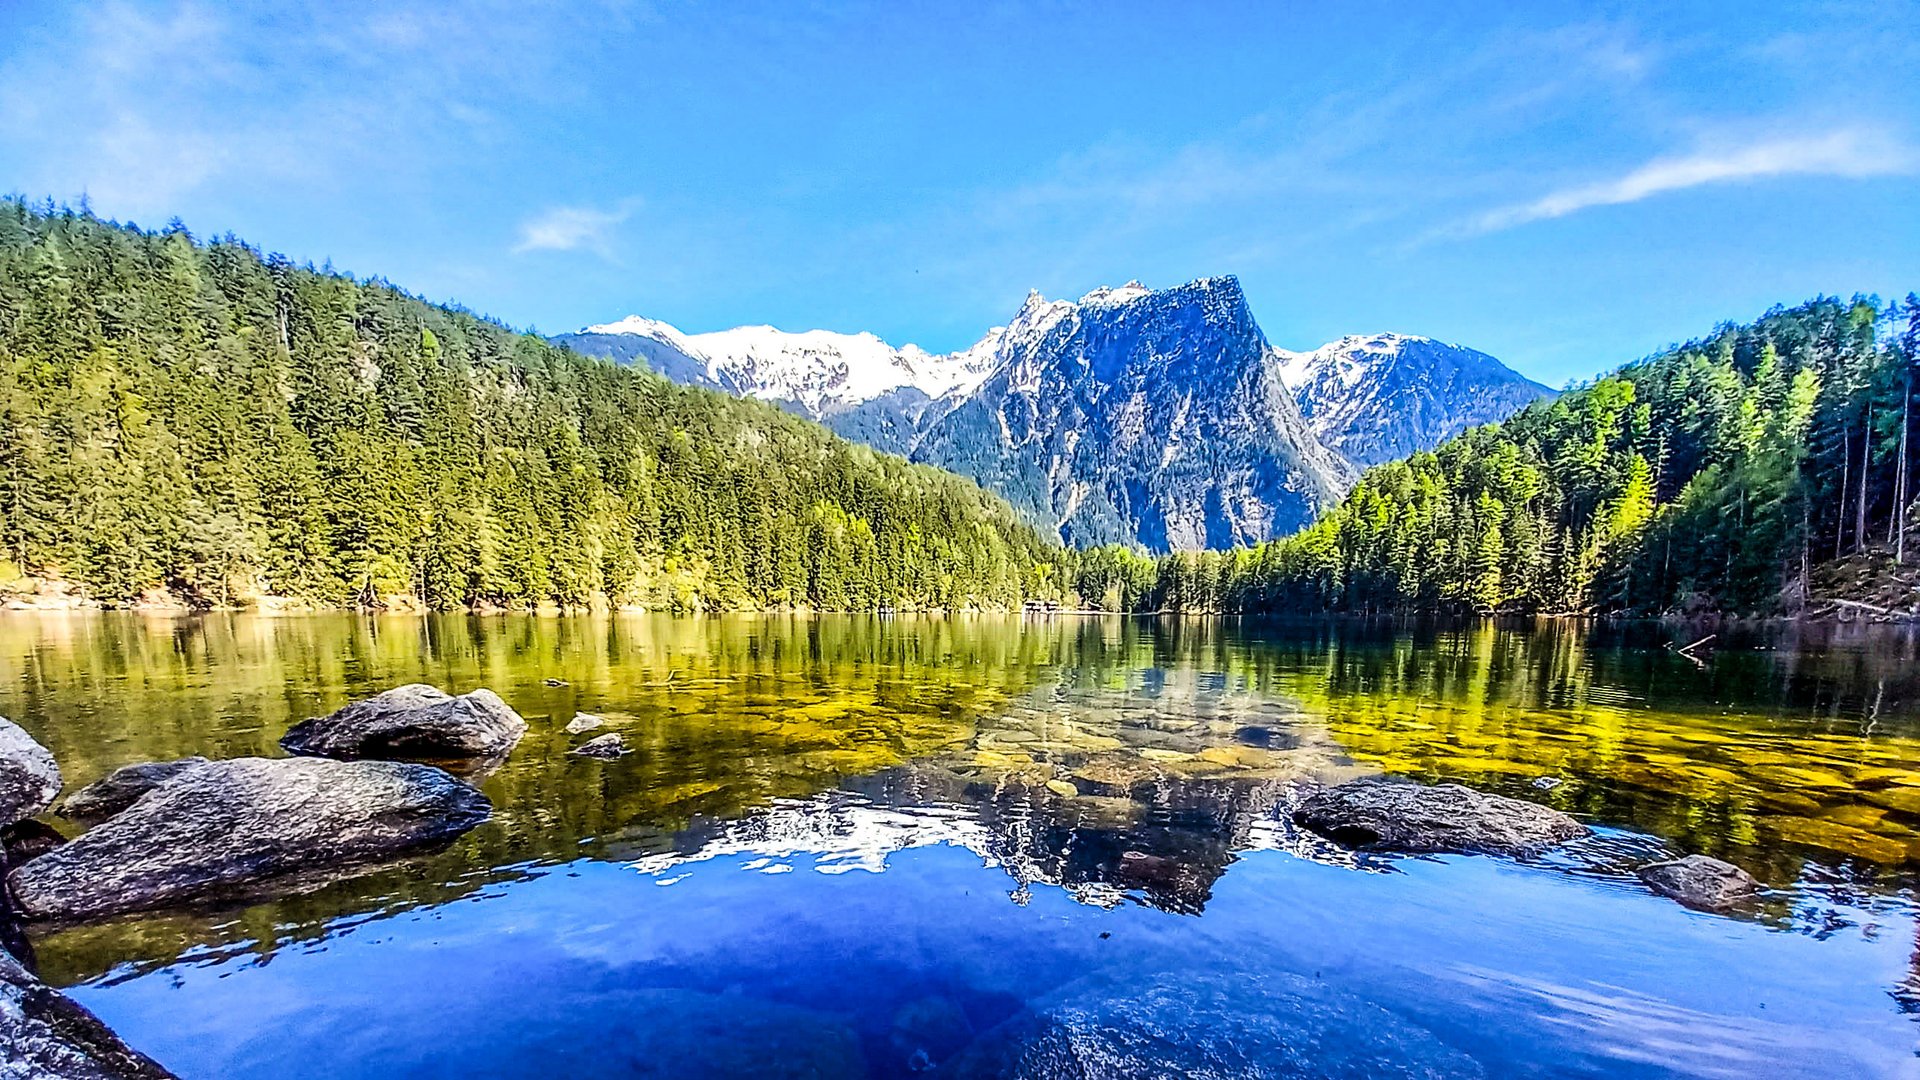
(1716, 475)
(221, 425)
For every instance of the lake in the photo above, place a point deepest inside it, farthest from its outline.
(889, 847)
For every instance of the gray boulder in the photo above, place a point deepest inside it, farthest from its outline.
(609, 745)
(1207, 1024)
(1701, 881)
(226, 825)
(412, 723)
(583, 722)
(45, 1035)
(121, 788)
(29, 777)
(1389, 815)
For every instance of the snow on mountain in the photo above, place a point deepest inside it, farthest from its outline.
(1156, 417)
(1377, 397)
(820, 371)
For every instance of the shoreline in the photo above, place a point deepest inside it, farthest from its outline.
(1829, 613)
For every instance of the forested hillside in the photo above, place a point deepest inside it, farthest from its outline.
(206, 421)
(1716, 476)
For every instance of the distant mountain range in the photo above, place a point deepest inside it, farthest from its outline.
(1159, 418)
(1376, 398)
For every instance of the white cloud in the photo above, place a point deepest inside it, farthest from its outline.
(1851, 154)
(573, 228)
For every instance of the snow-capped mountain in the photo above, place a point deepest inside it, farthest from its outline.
(1383, 396)
(819, 372)
(1140, 416)
(1161, 418)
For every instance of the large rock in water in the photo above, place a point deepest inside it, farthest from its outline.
(1391, 815)
(228, 824)
(29, 777)
(1208, 1024)
(122, 788)
(1701, 881)
(45, 1035)
(412, 723)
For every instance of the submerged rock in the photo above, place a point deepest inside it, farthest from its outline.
(412, 723)
(121, 788)
(609, 745)
(29, 839)
(664, 1033)
(29, 777)
(927, 1031)
(1391, 815)
(556, 682)
(228, 824)
(1207, 1024)
(1119, 774)
(45, 1035)
(1701, 881)
(583, 722)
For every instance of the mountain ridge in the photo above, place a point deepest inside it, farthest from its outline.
(1306, 447)
(1374, 398)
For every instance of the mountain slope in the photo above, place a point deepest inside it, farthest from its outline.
(199, 420)
(1385, 396)
(1140, 416)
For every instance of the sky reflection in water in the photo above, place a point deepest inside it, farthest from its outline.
(715, 904)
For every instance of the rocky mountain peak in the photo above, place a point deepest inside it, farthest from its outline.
(1376, 397)
(1145, 416)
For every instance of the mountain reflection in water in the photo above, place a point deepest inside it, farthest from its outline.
(826, 820)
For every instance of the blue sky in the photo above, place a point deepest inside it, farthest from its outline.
(1567, 187)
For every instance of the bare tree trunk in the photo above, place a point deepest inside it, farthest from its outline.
(1846, 475)
(1900, 480)
(1806, 555)
(1866, 466)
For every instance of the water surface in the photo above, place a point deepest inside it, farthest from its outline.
(853, 846)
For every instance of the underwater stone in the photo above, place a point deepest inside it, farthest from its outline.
(1117, 773)
(1700, 881)
(609, 745)
(1223, 1026)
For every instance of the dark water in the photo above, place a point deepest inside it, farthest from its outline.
(853, 847)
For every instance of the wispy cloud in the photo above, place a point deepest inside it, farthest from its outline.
(1851, 154)
(304, 95)
(573, 228)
